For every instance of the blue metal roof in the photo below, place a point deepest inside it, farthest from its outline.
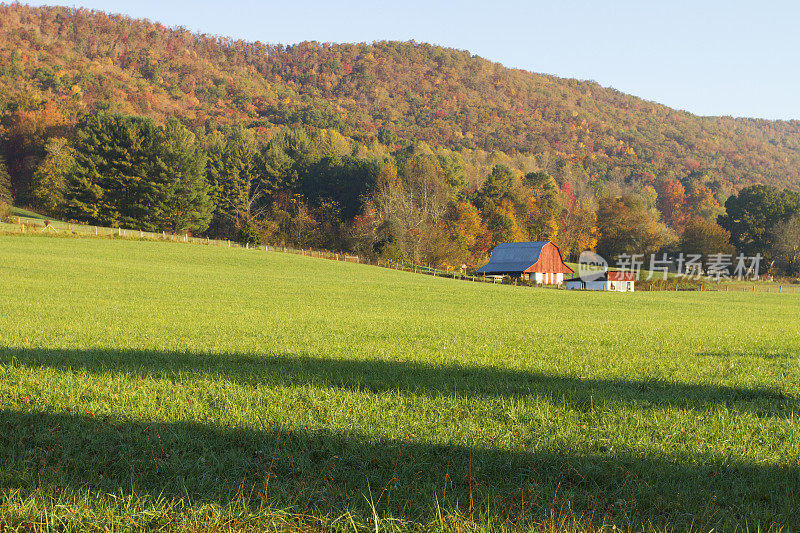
(513, 257)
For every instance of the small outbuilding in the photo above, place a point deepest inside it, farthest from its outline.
(540, 262)
(620, 281)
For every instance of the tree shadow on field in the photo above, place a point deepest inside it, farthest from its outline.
(416, 378)
(324, 474)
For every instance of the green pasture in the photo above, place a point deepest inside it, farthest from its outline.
(149, 385)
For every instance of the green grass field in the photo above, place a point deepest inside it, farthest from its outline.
(149, 385)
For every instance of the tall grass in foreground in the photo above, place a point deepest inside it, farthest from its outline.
(148, 385)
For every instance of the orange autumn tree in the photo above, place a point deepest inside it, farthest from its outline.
(27, 132)
(672, 203)
(467, 230)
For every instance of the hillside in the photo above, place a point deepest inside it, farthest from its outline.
(80, 60)
(200, 388)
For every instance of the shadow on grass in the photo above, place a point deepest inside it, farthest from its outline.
(325, 474)
(416, 378)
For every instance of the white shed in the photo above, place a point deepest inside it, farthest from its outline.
(619, 281)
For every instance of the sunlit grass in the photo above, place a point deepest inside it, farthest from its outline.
(148, 384)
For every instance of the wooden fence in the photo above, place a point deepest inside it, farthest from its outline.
(22, 224)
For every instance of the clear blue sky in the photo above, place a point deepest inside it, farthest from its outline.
(739, 58)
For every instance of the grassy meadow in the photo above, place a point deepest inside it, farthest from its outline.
(149, 385)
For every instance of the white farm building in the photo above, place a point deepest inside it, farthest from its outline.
(610, 281)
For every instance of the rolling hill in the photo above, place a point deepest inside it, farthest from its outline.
(63, 62)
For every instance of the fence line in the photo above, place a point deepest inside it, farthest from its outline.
(30, 224)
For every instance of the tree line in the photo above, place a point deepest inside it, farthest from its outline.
(312, 187)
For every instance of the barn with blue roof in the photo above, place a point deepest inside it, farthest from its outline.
(540, 262)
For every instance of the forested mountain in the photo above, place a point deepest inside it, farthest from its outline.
(392, 103)
(84, 59)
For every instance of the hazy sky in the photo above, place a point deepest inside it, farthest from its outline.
(708, 57)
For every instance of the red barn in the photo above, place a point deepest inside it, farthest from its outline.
(539, 261)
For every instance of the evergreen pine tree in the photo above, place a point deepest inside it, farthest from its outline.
(234, 175)
(180, 199)
(110, 183)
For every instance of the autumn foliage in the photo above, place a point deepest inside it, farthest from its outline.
(401, 149)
